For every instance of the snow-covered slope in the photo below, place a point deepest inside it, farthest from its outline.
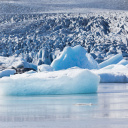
(39, 38)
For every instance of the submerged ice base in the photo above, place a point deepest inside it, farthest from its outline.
(70, 81)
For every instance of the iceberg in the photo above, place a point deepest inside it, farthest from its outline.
(114, 73)
(8, 62)
(112, 77)
(16, 62)
(113, 70)
(7, 72)
(25, 64)
(44, 67)
(113, 60)
(74, 56)
(70, 81)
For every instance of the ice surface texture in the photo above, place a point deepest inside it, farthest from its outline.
(71, 81)
(113, 60)
(115, 73)
(16, 62)
(113, 70)
(37, 37)
(76, 56)
(7, 72)
(123, 62)
(44, 67)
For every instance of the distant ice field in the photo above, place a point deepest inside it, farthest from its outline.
(81, 6)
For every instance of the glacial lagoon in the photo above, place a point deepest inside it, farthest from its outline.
(107, 108)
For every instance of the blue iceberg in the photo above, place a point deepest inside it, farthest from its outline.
(74, 56)
(113, 60)
(70, 81)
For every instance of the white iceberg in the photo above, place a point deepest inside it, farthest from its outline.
(113, 74)
(8, 62)
(25, 64)
(70, 81)
(113, 60)
(74, 56)
(44, 67)
(16, 62)
(7, 72)
(112, 77)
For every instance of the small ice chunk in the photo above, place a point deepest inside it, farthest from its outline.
(44, 67)
(7, 72)
(25, 64)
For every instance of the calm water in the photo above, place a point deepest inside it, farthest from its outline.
(39, 6)
(108, 108)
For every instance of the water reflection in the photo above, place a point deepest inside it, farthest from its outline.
(47, 107)
(113, 100)
(109, 103)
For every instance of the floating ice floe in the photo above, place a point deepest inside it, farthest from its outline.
(7, 72)
(70, 81)
(113, 70)
(113, 74)
(74, 56)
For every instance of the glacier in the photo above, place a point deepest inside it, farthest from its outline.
(38, 37)
(70, 81)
